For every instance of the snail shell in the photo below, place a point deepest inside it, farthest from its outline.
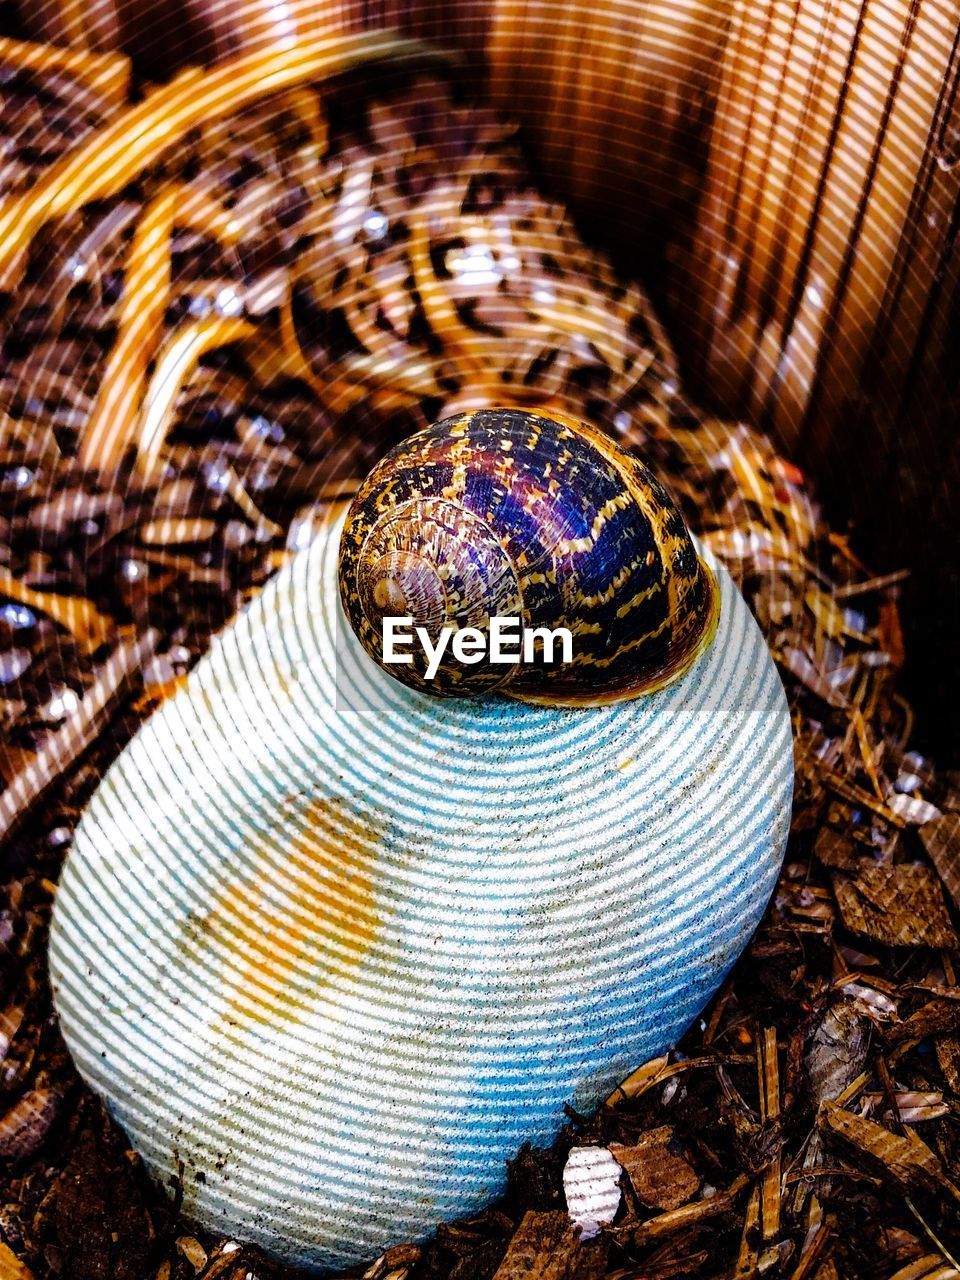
(510, 513)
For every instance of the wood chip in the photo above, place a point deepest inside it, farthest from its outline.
(749, 1255)
(193, 1251)
(89, 627)
(677, 1220)
(646, 1075)
(948, 1058)
(547, 1246)
(837, 850)
(913, 810)
(769, 1087)
(26, 1124)
(11, 1268)
(661, 1176)
(395, 1261)
(913, 1106)
(166, 533)
(904, 1160)
(591, 1184)
(837, 1052)
(901, 906)
(930, 1267)
(936, 1017)
(826, 1271)
(941, 839)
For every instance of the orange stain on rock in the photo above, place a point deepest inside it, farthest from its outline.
(291, 922)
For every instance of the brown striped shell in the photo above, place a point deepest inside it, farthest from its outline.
(511, 513)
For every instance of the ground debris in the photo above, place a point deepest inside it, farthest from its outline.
(930, 1267)
(935, 1018)
(948, 1059)
(102, 1227)
(677, 1221)
(904, 1159)
(901, 906)
(941, 839)
(837, 1053)
(11, 1268)
(591, 1184)
(661, 1177)
(835, 849)
(25, 1126)
(547, 1246)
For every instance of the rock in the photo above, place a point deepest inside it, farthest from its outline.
(342, 948)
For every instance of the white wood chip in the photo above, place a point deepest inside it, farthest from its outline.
(914, 811)
(591, 1183)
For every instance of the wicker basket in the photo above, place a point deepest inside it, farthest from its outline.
(785, 172)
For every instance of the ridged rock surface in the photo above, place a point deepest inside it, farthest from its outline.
(341, 947)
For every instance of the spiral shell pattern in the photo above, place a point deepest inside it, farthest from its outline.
(506, 512)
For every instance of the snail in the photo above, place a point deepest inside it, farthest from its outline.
(332, 948)
(506, 513)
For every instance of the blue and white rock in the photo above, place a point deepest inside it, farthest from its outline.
(341, 948)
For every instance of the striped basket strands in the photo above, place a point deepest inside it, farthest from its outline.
(825, 217)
